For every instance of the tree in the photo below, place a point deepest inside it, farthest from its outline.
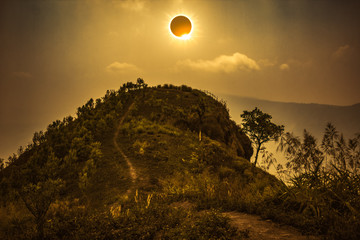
(140, 83)
(38, 198)
(2, 164)
(258, 126)
(38, 183)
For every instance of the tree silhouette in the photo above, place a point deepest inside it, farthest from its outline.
(2, 164)
(140, 83)
(38, 185)
(258, 126)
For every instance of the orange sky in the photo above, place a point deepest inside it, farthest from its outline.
(55, 55)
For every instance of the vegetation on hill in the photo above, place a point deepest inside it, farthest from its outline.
(322, 194)
(191, 162)
(72, 183)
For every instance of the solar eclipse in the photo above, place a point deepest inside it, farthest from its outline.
(181, 27)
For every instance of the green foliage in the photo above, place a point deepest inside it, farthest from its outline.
(324, 183)
(144, 217)
(86, 173)
(37, 199)
(259, 128)
(75, 159)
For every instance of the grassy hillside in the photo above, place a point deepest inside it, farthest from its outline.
(73, 182)
(164, 163)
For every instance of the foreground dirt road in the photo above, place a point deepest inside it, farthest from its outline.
(264, 229)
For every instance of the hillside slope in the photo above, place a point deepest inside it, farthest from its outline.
(137, 150)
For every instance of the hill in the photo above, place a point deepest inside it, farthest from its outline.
(134, 165)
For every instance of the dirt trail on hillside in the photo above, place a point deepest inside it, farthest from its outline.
(261, 229)
(132, 170)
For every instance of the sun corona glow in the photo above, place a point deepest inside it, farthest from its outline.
(181, 27)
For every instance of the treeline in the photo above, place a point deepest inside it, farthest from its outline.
(64, 158)
(103, 111)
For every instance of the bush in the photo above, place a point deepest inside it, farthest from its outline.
(146, 217)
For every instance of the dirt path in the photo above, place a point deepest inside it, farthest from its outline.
(264, 229)
(259, 229)
(132, 170)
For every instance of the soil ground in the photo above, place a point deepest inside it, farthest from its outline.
(260, 229)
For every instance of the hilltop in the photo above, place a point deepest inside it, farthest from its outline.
(147, 151)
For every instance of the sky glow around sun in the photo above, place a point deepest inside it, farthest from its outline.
(181, 27)
(55, 55)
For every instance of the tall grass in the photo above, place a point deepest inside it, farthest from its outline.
(323, 191)
(144, 216)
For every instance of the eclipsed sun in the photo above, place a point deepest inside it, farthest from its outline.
(181, 27)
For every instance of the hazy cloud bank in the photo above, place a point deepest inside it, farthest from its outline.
(223, 63)
(121, 67)
(284, 66)
(267, 62)
(341, 51)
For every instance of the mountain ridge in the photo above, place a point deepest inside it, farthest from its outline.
(299, 116)
(287, 102)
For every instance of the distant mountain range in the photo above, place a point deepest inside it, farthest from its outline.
(299, 116)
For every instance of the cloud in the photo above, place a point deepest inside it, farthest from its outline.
(267, 62)
(121, 67)
(284, 67)
(295, 63)
(22, 75)
(132, 5)
(341, 51)
(223, 63)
